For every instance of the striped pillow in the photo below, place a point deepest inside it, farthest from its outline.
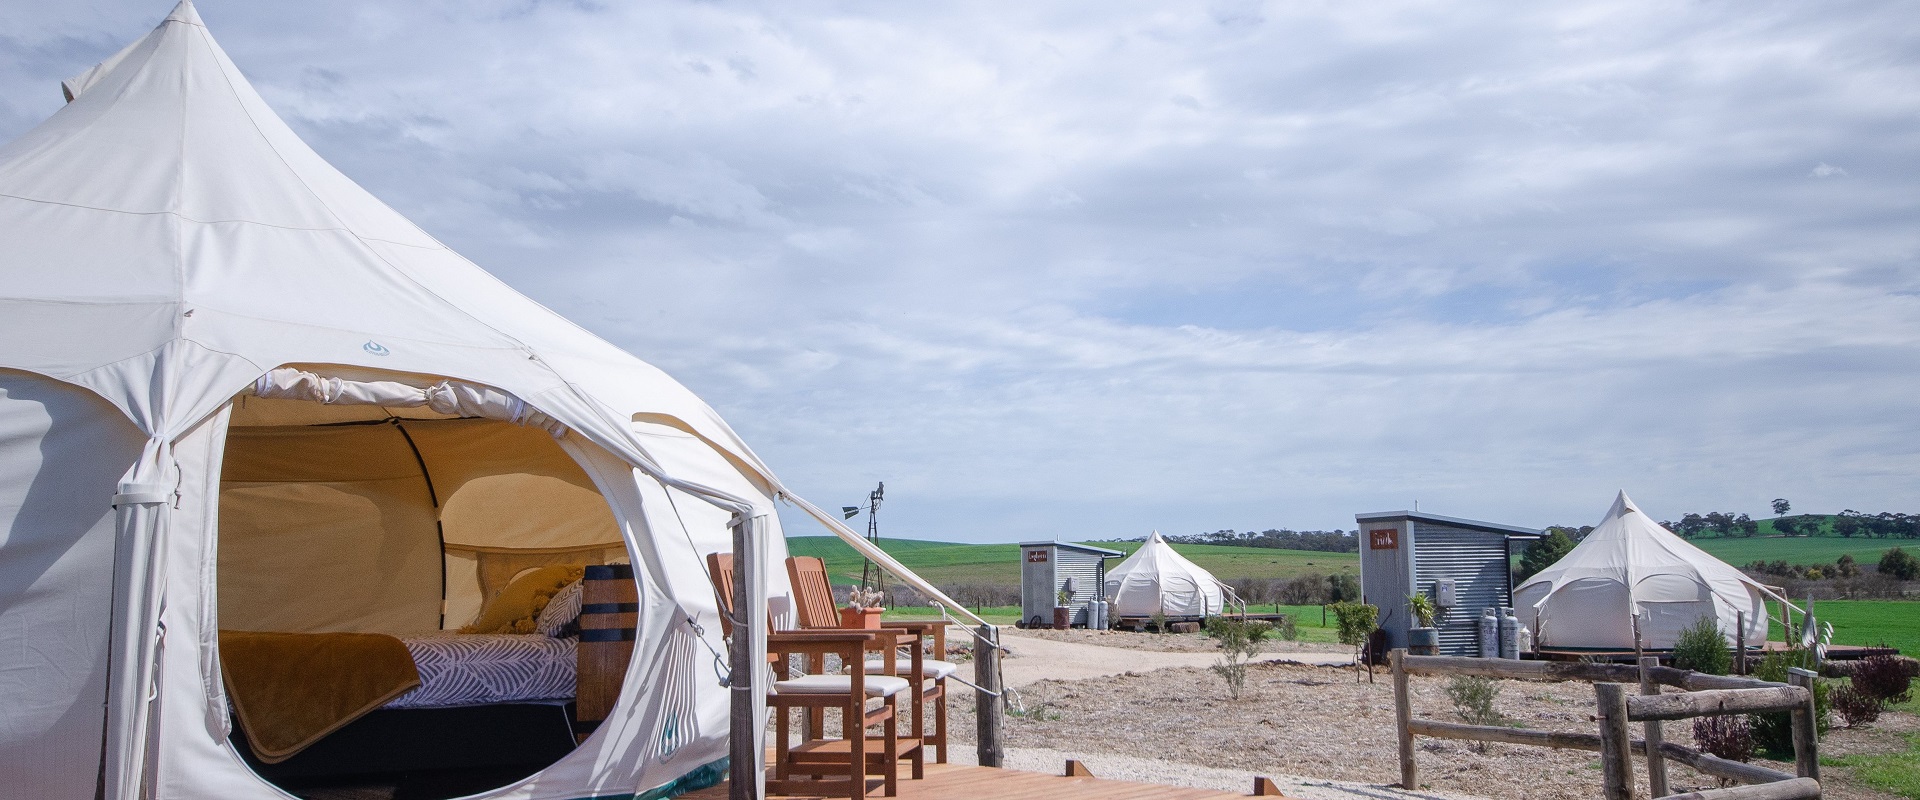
(561, 617)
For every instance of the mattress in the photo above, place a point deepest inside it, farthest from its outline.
(463, 669)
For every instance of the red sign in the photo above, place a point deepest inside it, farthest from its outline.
(1383, 539)
(1036, 556)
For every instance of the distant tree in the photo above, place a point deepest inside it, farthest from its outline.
(1781, 506)
(1541, 553)
(1744, 525)
(1848, 523)
(1891, 525)
(1846, 567)
(1334, 541)
(1690, 526)
(1342, 587)
(1790, 526)
(1900, 564)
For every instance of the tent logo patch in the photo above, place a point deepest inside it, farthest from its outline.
(375, 348)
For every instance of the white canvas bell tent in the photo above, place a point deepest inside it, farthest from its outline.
(1631, 566)
(1157, 580)
(236, 390)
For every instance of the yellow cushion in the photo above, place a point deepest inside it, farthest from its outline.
(516, 608)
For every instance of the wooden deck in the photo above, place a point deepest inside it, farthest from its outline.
(1835, 652)
(957, 782)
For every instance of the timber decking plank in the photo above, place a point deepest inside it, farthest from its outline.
(960, 782)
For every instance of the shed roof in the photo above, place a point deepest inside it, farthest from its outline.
(1471, 524)
(1101, 551)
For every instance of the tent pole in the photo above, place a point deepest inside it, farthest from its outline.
(433, 496)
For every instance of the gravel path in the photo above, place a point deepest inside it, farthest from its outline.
(1033, 659)
(1163, 642)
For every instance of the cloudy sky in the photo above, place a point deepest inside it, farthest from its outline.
(1089, 269)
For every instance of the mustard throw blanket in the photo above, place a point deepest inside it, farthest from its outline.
(291, 689)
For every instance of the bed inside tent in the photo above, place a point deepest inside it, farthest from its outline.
(337, 521)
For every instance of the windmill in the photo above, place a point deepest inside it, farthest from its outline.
(871, 576)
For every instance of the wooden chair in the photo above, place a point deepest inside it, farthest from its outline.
(813, 597)
(812, 593)
(815, 692)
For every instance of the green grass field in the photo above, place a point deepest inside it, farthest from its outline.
(1898, 773)
(950, 564)
(1800, 549)
(1864, 622)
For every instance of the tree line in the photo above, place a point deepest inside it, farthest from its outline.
(1846, 524)
(1334, 541)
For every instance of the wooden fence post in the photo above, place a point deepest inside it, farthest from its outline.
(1616, 746)
(1656, 764)
(1739, 642)
(1806, 727)
(990, 702)
(1403, 719)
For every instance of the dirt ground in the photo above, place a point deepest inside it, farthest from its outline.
(1319, 722)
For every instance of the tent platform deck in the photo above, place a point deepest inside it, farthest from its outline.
(962, 782)
(1835, 652)
(1177, 624)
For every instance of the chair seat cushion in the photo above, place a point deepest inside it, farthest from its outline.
(928, 668)
(877, 685)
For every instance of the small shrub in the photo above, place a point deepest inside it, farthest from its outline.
(1159, 621)
(1702, 648)
(1239, 641)
(1886, 678)
(1856, 707)
(1286, 628)
(1729, 737)
(1773, 731)
(1357, 620)
(1343, 587)
(1900, 564)
(1473, 698)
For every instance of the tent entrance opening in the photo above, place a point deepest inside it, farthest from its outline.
(400, 596)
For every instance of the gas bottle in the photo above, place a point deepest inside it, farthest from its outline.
(1509, 634)
(1490, 633)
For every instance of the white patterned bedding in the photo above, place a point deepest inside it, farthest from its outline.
(463, 669)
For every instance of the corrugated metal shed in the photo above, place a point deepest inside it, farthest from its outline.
(1430, 548)
(1045, 570)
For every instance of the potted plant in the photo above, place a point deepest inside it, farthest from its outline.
(1424, 639)
(1063, 610)
(863, 608)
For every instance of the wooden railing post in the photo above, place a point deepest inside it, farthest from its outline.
(1403, 719)
(1806, 730)
(1656, 764)
(1616, 746)
(747, 725)
(1739, 642)
(990, 702)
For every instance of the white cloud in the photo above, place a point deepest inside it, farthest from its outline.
(1180, 266)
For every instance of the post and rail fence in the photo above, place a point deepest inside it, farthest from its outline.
(1625, 694)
